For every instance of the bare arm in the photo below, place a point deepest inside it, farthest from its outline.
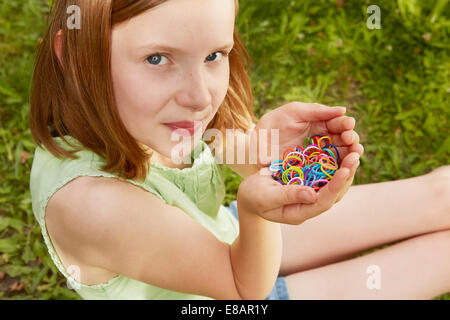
(124, 229)
(256, 255)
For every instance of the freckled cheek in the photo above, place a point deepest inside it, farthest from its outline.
(138, 98)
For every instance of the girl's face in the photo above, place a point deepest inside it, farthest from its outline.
(155, 85)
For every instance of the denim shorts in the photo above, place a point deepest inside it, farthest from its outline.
(279, 291)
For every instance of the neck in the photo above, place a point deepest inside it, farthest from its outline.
(166, 162)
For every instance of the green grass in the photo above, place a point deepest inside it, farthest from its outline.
(395, 81)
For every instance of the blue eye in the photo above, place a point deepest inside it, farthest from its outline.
(215, 54)
(156, 58)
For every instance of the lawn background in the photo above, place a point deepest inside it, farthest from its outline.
(394, 82)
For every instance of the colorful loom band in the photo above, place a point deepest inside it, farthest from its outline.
(297, 154)
(328, 151)
(325, 137)
(275, 165)
(312, 146)
(324, 162)
(312, 165)
(311, 139)
(293, 180)
(320, 181)
(326, 173)
(337, 152)
(288, 150)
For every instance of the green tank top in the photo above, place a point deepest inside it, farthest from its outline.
(197, 190)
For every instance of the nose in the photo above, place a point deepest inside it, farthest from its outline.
(194, 93)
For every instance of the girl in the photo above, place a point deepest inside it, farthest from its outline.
(122, 220)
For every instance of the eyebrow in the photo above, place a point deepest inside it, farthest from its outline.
(162, 47)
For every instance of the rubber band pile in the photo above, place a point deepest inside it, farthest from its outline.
(313, 165)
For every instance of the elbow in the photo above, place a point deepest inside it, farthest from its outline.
(253, 296)
(259, 294)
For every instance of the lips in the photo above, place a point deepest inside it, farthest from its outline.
(189, 127)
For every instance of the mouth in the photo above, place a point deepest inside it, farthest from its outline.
(189, 127)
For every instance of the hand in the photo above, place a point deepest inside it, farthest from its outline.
(297, 121)
(292, 204)
(261, 195)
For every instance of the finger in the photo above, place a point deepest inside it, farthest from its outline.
(350, 137)
(289, 214)
(314, 111)
(326, 196)
(358, 148)
(339, 124)
(344, 151)
(345, 138)
(290, 194)
(340, 140)
(274, 195)
(297, 213)
(349, 181)
(350, 160)
(350, 163)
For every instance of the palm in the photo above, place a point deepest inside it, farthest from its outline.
(293, 129)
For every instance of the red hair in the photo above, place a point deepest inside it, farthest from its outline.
(76, 97)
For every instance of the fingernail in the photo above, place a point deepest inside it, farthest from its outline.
(341, 108)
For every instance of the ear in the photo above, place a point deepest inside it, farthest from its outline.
(57, 45)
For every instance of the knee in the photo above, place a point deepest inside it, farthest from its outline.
(439, 183)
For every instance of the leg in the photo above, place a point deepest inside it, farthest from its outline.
(418, 268)
(368, 216)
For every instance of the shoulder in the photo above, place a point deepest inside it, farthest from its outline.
(92, 195)
(83, 210)
(89, 188)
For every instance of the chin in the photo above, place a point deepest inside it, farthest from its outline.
(184, 146)
(176, 151)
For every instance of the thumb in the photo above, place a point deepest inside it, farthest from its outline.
(315, 111)
(281, 195)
